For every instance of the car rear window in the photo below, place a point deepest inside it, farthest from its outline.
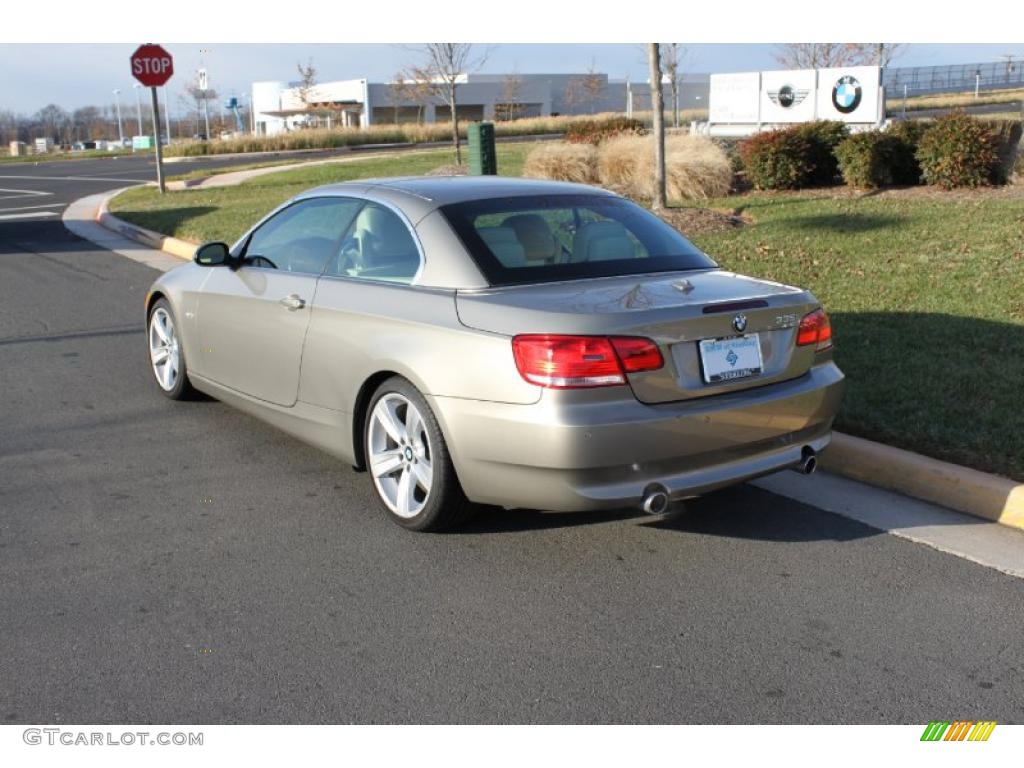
(546, 238)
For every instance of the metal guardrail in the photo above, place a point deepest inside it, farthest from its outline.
(985, 76)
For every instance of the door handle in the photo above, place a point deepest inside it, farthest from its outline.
(292, 302)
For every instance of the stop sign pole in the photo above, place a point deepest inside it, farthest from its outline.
(153, 66)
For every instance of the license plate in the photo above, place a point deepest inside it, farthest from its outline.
(728, 359)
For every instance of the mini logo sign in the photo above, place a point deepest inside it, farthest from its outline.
(846, 94)
(787, 96)
(958, 730)
(740, 323)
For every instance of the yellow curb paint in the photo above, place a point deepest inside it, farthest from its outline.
(182, 249)
(966, 490)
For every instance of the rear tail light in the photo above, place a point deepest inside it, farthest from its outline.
(570, 362)
(815, 329)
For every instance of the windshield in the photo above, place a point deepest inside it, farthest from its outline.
(545, 238)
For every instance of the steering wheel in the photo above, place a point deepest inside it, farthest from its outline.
(257, 261)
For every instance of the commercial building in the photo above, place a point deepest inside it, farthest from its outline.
(279, 106)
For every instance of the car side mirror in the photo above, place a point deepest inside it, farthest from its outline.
(212, 255)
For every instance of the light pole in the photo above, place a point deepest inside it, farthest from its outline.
(120, 128)
(138, 99)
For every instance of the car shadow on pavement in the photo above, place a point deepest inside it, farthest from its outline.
(36, 236)
(748, 512)
(741, 512)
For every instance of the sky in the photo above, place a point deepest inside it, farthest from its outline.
(72, 75)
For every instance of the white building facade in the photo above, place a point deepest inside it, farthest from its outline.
(279, 106)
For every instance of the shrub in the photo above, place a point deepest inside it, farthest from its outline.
(563, 162)
(695, 167)
(906, 170)
(323, 138)
(597, 130)
(823, 136)
(959, 151)
(780, 159)
(622, 163)
(866, 159)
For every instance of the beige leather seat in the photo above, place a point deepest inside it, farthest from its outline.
(383, 244)
(535, 235)
(602, 241)
(504, 244)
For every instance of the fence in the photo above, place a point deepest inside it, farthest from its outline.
(990, 76)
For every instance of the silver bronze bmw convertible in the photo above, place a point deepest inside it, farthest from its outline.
(520, 343)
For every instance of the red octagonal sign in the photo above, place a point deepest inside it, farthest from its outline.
(152, 65)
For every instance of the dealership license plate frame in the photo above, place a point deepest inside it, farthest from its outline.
(720, 371)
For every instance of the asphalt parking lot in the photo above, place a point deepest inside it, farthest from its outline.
(184, 563)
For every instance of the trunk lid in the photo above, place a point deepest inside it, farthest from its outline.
(677, 310)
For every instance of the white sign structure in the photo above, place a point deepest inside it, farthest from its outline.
(788, 96)
(203, 81)
(850, 94)
(734, 98)
(744, 103)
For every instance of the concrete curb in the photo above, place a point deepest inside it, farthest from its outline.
(172, 245)
(980, 494)
(949, 485)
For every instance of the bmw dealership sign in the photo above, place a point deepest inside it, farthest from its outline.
(785, 97)
(742, 103)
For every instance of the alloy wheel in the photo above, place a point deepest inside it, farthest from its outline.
(400, 455)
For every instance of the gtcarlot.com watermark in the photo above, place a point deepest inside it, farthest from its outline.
(69, 738)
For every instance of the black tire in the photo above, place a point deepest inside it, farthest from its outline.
(445, 506)
(182, 388)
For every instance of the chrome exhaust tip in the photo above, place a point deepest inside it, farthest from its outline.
(808, 462)
(655, 502)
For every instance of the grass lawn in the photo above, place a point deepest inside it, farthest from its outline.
(926, 296)
(894, 101)
(926, 291)
(224, 213)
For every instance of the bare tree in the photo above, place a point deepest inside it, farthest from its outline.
(411, 87)
(592, 86)
(658, 107)
(878, 54)
(307, 82)
(441, 65)
(673, 56)
(511, 89)
(815, 55)
(55, 122)
(398, 91)
(573, 94)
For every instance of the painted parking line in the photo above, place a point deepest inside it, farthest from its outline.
(16, 194)
(72, 178)
(35, 215)
(32, 207)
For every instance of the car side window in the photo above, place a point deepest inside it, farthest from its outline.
(378, 246)
(303, 237)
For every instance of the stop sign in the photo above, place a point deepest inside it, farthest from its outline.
(152, 65)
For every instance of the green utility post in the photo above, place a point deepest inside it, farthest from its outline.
(483, 157)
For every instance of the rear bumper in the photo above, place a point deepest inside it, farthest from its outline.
(603, 453)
